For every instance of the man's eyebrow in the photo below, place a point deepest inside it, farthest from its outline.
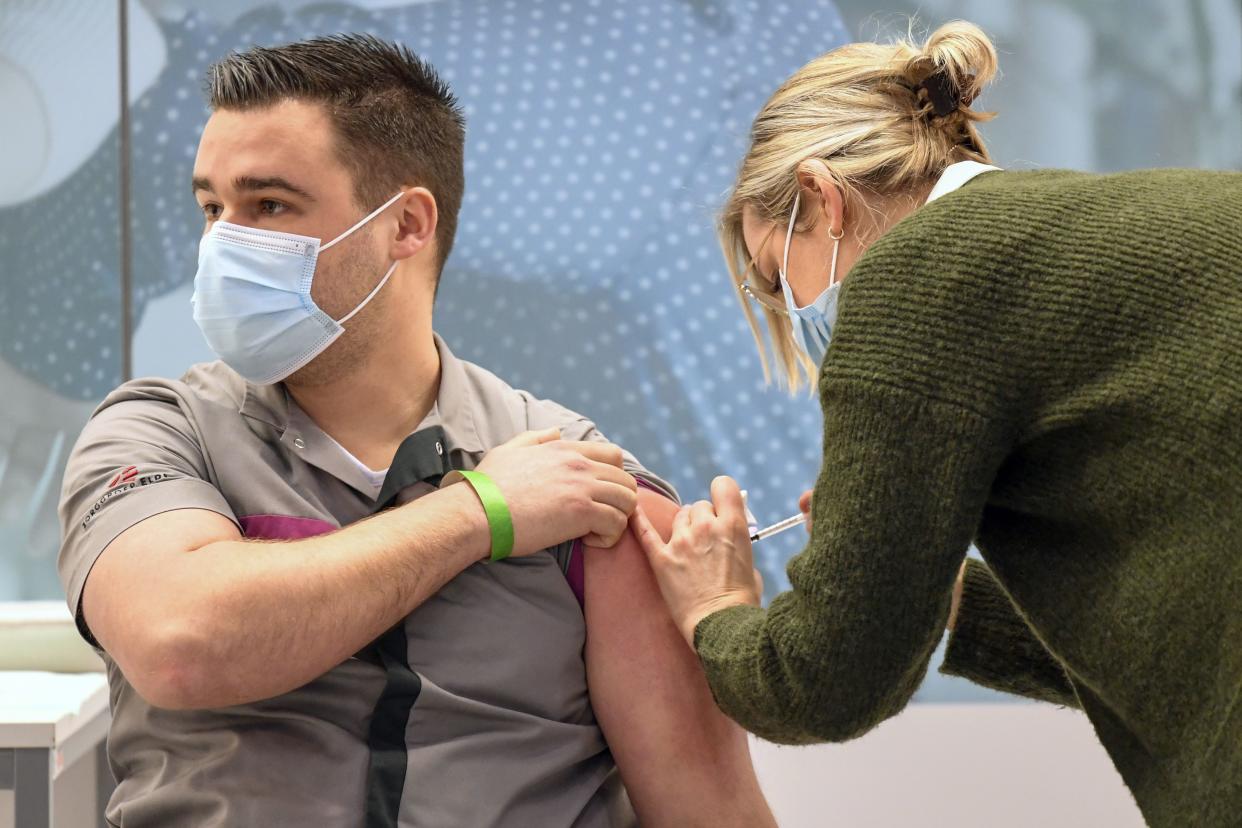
(253, 183)
(274, 182)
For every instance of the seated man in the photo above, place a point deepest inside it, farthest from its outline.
(295, 638)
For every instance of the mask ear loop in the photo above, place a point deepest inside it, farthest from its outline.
(387, 275)
(836, 243)
(370, 296)
(793, 219)
(370, 216)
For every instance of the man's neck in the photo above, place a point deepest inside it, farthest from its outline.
(371, 412)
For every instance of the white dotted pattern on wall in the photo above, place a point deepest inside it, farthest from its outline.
(602, 138)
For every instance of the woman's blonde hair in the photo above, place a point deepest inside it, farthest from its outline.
(885, 118)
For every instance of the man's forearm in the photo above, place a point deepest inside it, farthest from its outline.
(263, 618)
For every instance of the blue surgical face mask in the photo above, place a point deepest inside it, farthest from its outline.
(252, 298)
(811, 324)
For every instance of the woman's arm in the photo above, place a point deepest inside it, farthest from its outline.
(683, 762)
(898, 499)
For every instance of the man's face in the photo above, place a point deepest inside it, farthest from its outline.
(276, 168)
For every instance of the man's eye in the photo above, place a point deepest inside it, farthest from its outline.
(271, 208)
(211, 211)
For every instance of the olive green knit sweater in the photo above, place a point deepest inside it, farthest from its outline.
(1049, 364)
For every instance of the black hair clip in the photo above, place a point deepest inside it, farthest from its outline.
(944, 97)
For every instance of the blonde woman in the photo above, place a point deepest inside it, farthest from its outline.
(1048, 363)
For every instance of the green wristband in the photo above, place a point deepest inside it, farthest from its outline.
(499, 521)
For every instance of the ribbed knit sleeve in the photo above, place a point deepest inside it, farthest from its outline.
(849, 644)
(993, 645)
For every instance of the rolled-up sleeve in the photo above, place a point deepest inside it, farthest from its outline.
(547, 414)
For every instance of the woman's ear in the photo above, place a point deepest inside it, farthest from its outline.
(819, 188)
(416, 223)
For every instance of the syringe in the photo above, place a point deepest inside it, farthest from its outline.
(777, 528)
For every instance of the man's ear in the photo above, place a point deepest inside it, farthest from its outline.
(820, 189)
(417, 218)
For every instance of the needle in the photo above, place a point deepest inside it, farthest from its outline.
(777, 528)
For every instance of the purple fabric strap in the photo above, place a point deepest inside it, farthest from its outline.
(283, 527)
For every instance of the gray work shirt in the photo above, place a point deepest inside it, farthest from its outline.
(473, 712)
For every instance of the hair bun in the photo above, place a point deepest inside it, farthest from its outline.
(954, 65)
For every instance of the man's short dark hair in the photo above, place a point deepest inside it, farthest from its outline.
(397, 121)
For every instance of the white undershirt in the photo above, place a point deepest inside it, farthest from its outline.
(955, 175)
(375, 478)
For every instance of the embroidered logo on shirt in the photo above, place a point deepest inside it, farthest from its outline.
(126, 480)
(124, 476)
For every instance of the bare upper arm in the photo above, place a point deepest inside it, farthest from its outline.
(680, 757)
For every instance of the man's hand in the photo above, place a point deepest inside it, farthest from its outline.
(559, 490)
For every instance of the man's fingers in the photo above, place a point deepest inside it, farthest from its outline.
(534, 438)
(609, 522)
(599, 452)
(615, 475)
(621, 498)
(596, 541)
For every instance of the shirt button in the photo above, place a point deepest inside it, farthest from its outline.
(298, 444)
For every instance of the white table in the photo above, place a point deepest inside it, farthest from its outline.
(53, 767)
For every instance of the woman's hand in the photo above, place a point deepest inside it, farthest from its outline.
(707, 564)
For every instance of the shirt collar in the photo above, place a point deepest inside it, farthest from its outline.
(456, 405)
(268, 404)
(956, 175)
(454, 410)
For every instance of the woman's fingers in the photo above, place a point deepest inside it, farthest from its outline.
(681, 521)
(702, 512)
(707, 564)
(728, 503)
(648, 538)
